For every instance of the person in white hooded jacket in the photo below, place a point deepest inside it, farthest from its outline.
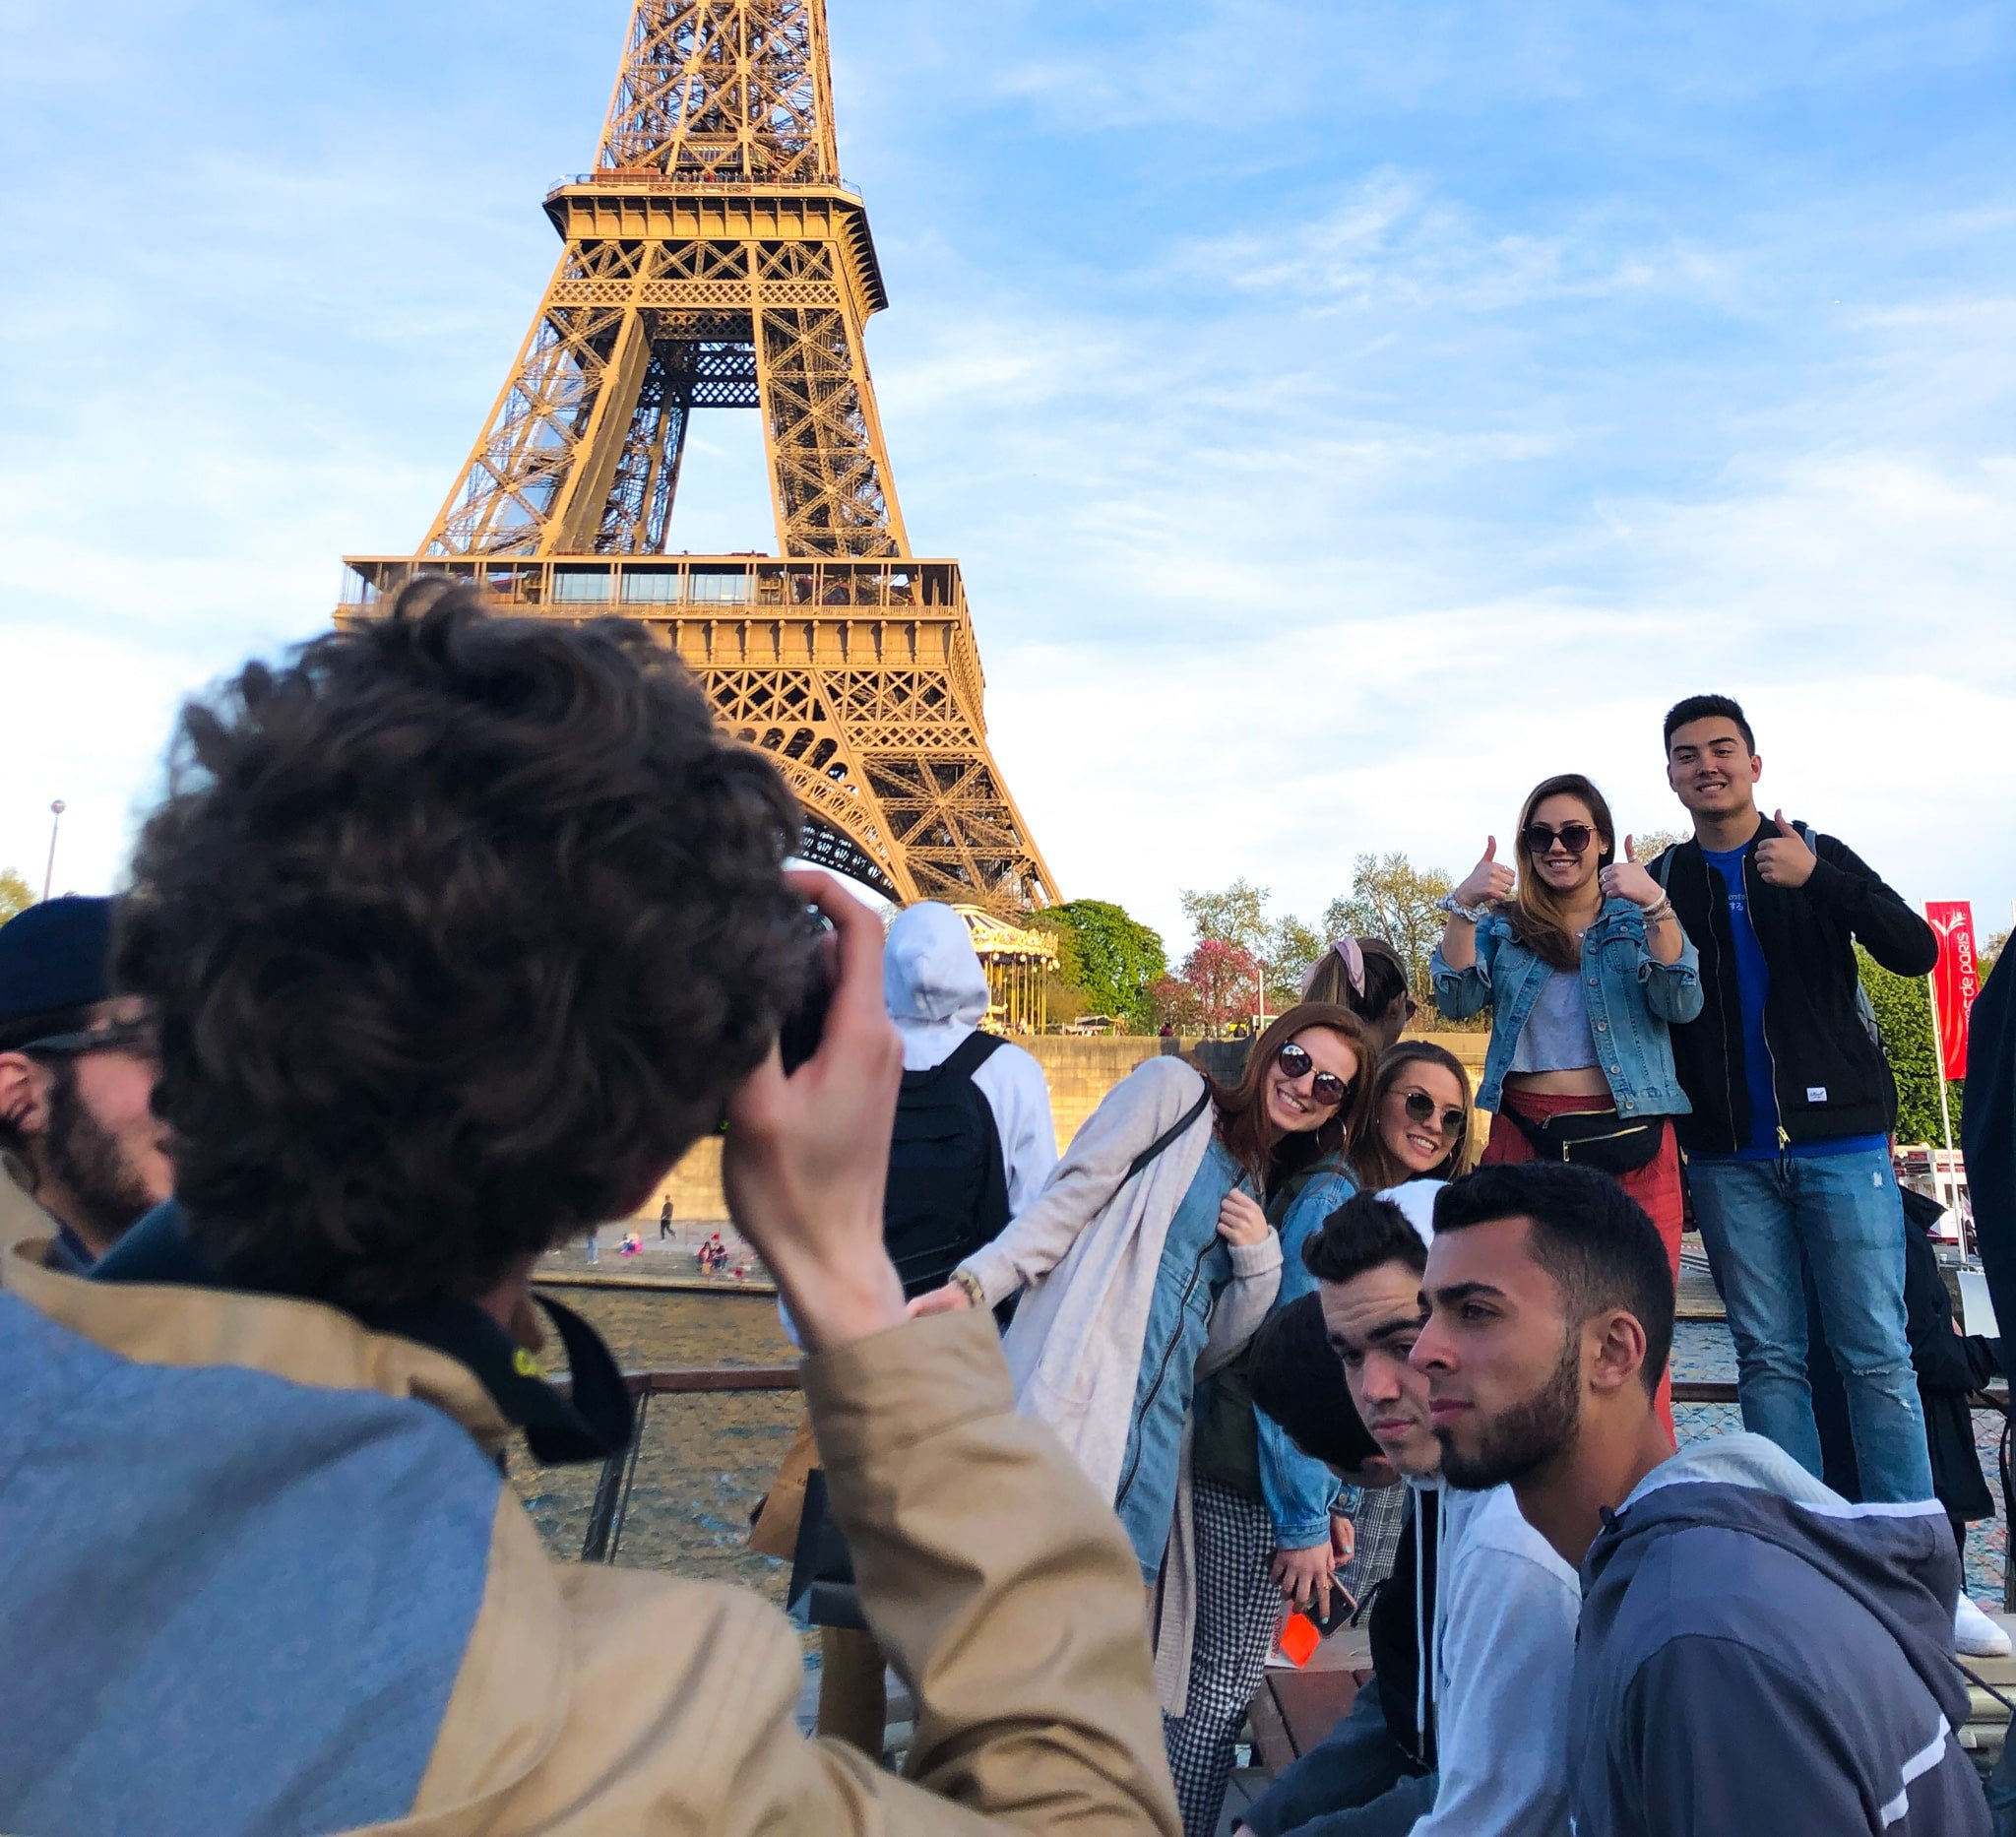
(936, 991)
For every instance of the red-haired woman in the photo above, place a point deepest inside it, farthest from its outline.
(1149, 1260)
(1584, 968)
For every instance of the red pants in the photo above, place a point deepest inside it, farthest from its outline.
(1655, 1186)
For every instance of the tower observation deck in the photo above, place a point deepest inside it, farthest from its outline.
(713, 259)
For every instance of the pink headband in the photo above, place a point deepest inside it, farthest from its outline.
(1354, 966)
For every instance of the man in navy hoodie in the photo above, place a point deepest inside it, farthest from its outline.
(1754, 1653)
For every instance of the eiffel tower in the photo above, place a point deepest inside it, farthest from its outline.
(713, 259)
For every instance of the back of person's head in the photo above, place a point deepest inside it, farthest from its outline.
(1692, 708)
(458, 930)
(1295, 1377)
(1242, 1107)
(1364, 1232)
(1372, 1157)
(931, 971)
(1365, 976)
(1595, 1241)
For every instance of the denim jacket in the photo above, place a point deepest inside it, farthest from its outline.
(1298, 1488)
(1632, 999)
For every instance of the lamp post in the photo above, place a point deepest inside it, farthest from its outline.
(55, 823)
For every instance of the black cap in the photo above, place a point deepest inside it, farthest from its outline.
(54, 955)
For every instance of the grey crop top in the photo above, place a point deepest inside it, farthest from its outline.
(1557, 1036)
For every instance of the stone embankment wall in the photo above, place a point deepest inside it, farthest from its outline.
(1081, 1072)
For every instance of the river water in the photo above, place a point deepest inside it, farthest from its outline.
(706, 1460)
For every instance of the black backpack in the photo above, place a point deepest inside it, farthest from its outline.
(948, 1185)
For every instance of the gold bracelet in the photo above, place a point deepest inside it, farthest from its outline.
(967, 1280)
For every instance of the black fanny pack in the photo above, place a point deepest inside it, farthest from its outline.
(1592, 1138)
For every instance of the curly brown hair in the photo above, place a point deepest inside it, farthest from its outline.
(459, 931)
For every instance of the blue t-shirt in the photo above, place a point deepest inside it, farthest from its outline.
(1753, 983)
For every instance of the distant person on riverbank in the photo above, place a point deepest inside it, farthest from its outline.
(458, 931)
(81, 1154)
(974, 1141)
(1755, 1655)
(664, 1219)
(1586, 973)
(1463, 1728)
(1791, 1100)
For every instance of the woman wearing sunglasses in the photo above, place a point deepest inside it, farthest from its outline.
(1150, 1259)
(1584, 968)
(1419, 1118)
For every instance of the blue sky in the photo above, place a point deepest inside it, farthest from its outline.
(1346, 414)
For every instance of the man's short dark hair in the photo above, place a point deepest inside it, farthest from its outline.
(1296, 1377)
(1587, 1233)
(459, 929)
(1708, 708)
(1363, 1232)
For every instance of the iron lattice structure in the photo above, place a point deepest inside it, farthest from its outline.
(713, 259)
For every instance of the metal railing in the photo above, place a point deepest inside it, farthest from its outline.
(611, 1504)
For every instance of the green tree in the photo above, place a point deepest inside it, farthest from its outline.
(1109, 958)
(1292, 945)
(1393, 898)
(1904, 1017)
(16, 894)
(1237, 915)
(1987, 952)
(1649, 844)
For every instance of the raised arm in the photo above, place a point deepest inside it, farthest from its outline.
(1128, 1119)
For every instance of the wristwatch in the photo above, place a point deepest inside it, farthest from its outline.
(1455, 909)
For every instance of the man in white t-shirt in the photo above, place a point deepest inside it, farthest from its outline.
(1475, 1649)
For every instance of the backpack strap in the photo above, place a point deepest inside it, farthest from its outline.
(970, 1053)
(1170, 1135)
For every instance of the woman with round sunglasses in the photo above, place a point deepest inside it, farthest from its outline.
(1419, 1121)
(1260, 1527)
(1583, 969)
(1149, 1259)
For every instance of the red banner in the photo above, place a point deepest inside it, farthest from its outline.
(1955, 979)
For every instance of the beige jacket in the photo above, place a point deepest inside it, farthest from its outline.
(604, 1702)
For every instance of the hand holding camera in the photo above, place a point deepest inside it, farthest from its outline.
(807, 1149)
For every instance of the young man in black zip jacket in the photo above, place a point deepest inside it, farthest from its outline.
(1788, 1153)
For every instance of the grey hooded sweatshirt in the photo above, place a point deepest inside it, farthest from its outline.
(1756, 1655)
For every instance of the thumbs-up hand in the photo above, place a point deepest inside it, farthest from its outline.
(1782, 857)
(1489, 879)
(1624, 879)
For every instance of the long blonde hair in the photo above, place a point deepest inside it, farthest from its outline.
(1539, 920)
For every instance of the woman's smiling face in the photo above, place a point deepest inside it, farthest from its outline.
(1293, 1105)
(1418, 1146)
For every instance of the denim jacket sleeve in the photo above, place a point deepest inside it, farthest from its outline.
(1673, 991)
(1299, 1489)
(1459, 993)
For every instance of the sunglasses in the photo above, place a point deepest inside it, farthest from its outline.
(1420, 1107)
(136, 1036)
(1328, 1087)
(1574, 837)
